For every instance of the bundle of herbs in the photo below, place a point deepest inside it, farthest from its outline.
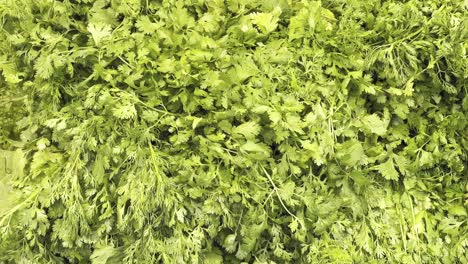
(233, 131)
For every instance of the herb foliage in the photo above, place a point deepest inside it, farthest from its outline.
(233, 131)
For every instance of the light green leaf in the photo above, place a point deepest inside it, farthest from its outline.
(294, 123)
(101, 255)
(213, 258)
(43, 66)
(126, 111)
(274, 116)
(287, 191)
(10, 73)
(457, 210)
(249, 129)
(251, 146)
(375, 124)
(267, 22)
(167, 65)
(99, 31)
(230, 243)
(426, 159)
(145, 25)
(351, 153)
(387, 170)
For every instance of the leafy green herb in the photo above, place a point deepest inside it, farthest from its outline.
(236, 131)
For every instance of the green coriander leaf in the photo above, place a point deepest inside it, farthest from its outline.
(249, 129)
(99, 32)
(387, 170)
(374, 124)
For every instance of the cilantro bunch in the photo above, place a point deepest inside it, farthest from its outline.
(233, 131)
